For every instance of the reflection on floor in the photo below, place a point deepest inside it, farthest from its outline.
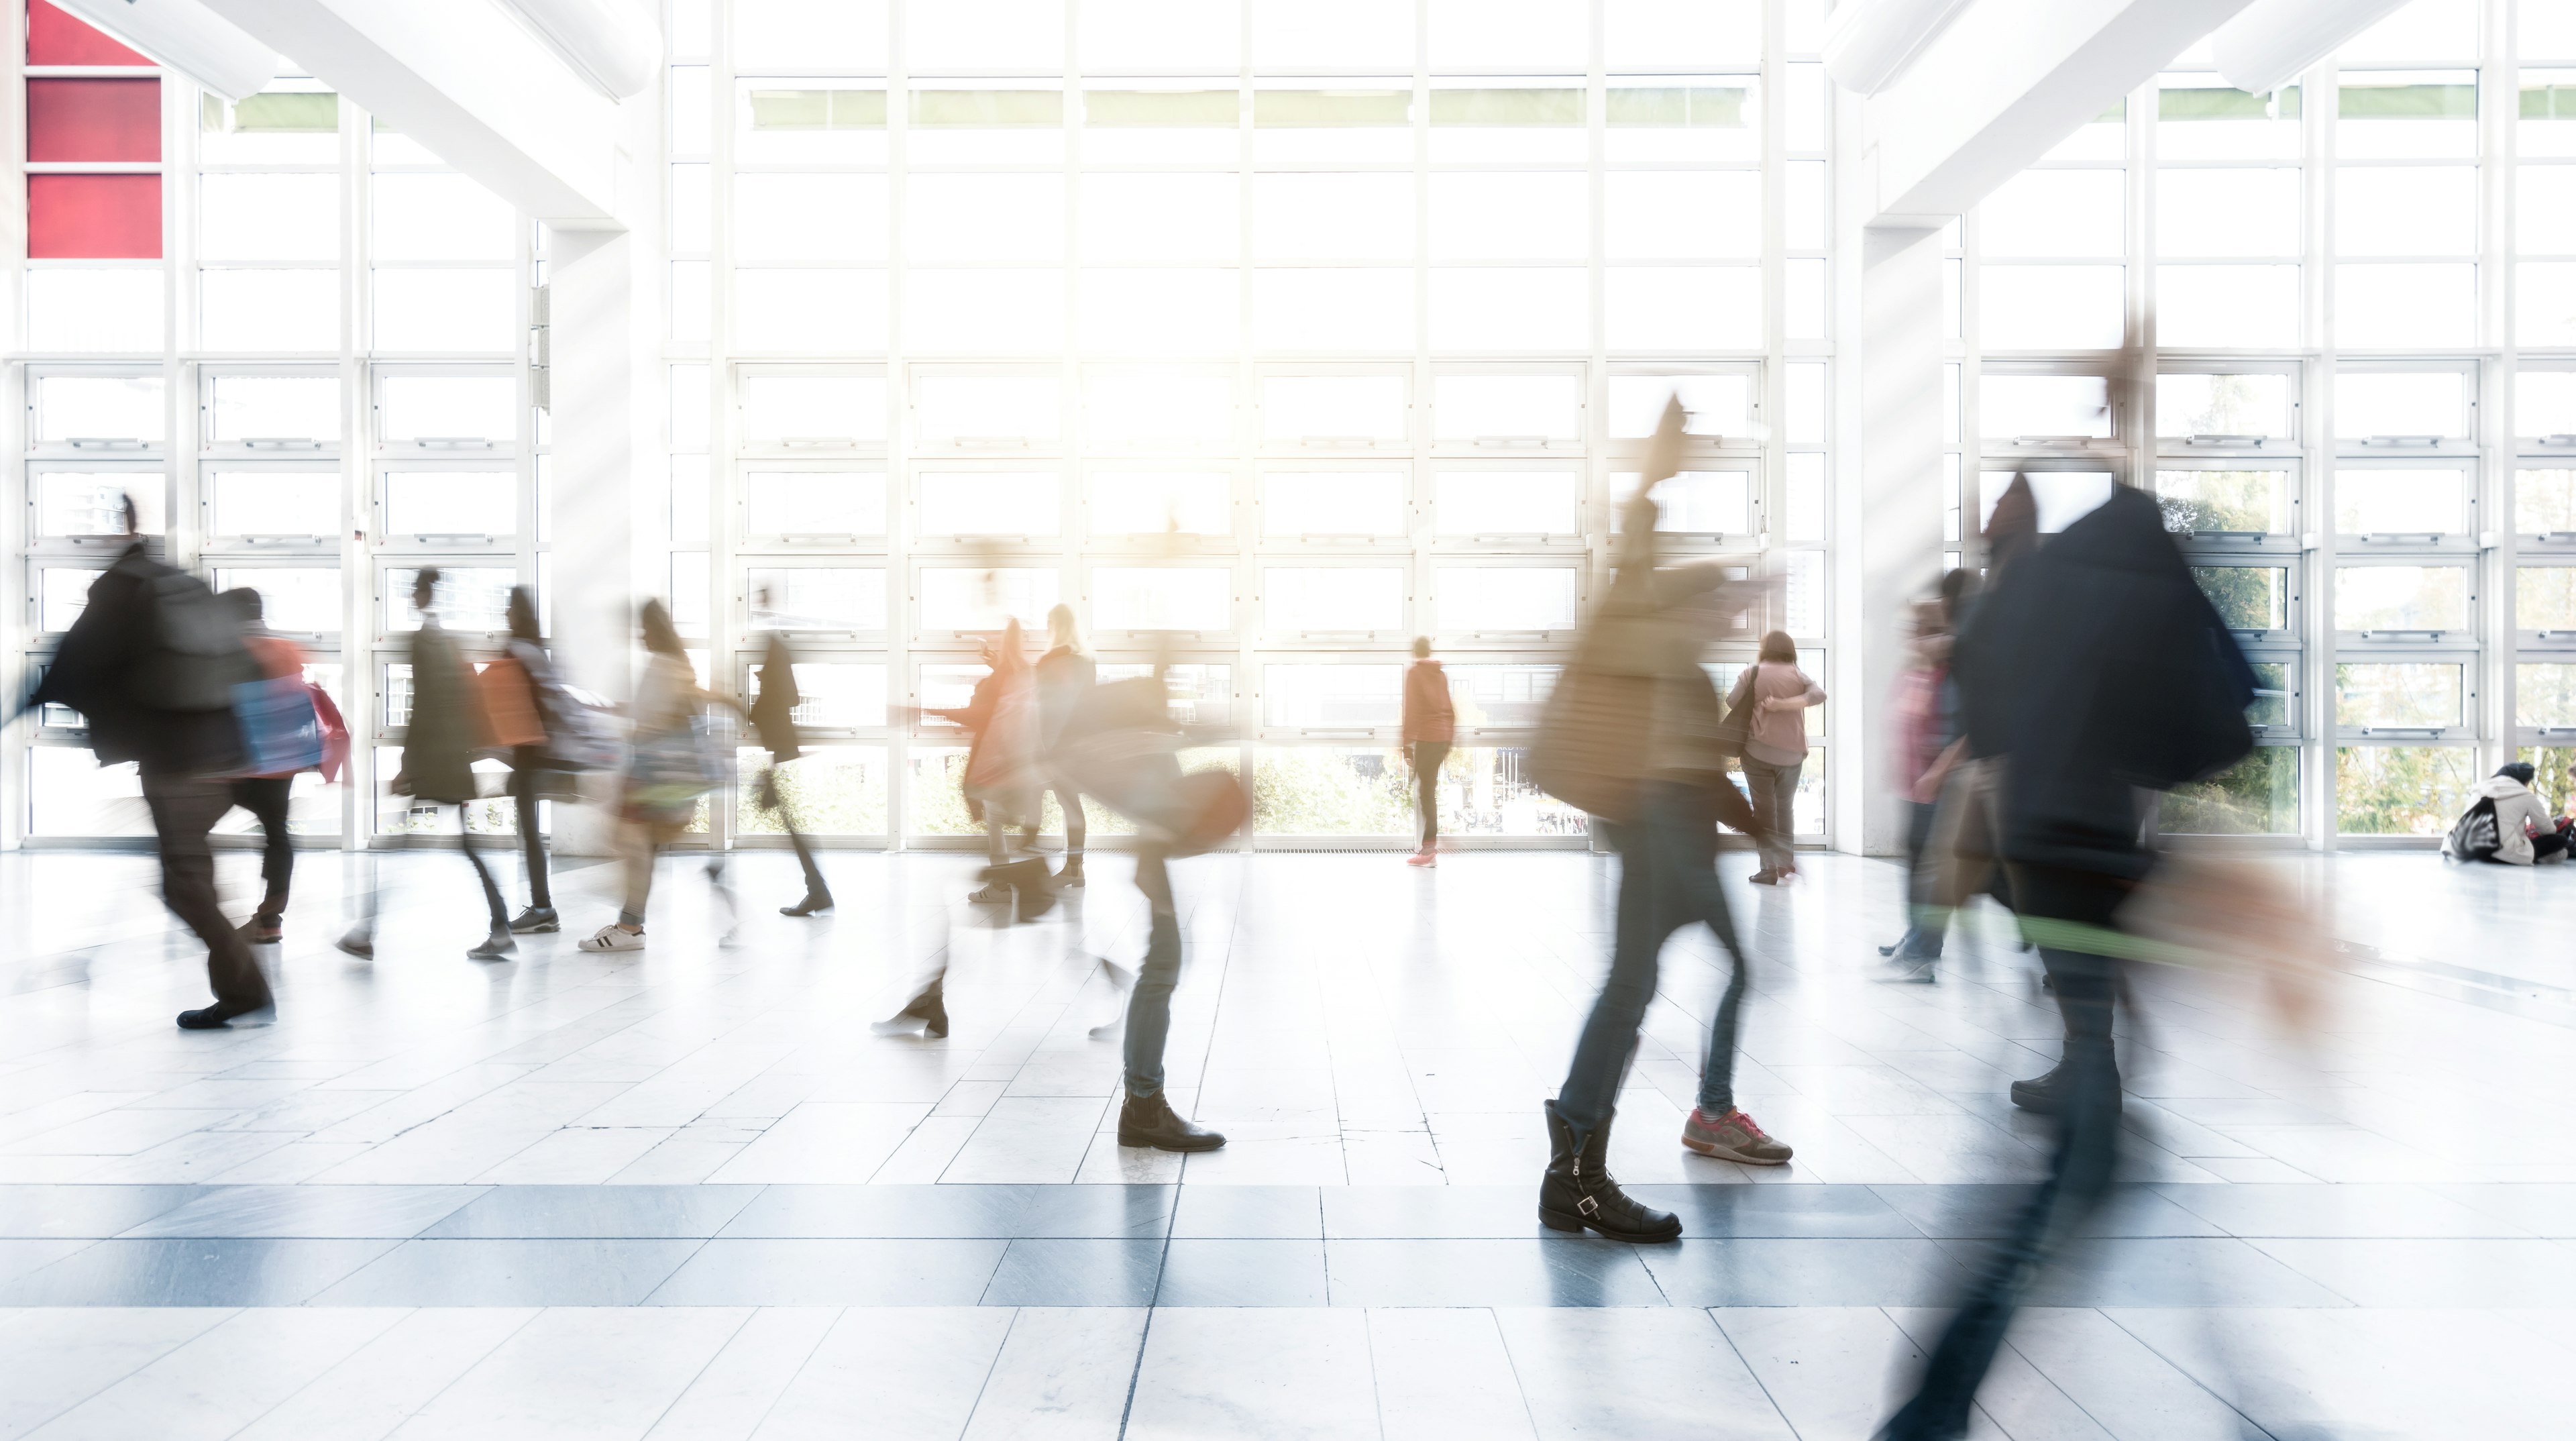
(687, 1192)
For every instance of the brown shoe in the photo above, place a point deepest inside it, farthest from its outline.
(1732, 1137)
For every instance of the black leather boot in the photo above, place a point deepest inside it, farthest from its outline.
(2046, 1095)
(1578, 1190)
(1034, 887)
(1151, 1121)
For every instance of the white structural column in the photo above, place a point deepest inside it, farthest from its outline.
(1889, 525)
(592, 285)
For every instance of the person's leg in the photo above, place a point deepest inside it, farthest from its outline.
(497, 940)
(1077, 832)
(265, 797)
(2080, 1171)
(637, 848)
(776, 798)
(1764, 795)
(1428, 758)
(184, 809)
(532, 842)
(1686, 884)
(1784, 812)
(1147, 1117)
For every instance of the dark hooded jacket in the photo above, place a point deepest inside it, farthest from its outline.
(2096, 667)
(98, 670)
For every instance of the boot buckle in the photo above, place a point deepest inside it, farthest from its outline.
(1588, 1206)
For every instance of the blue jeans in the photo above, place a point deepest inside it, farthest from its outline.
(1149, 1006)
(1667, 880)
(2088, 1144)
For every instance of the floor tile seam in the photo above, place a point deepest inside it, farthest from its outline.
(141, 1366)
(2150, 1347)
(1747, 1363)
(749, 1315)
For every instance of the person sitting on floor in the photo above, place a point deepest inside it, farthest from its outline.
(2506, 823)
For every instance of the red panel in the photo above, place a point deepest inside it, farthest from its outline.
(88, 121)
(94, 217)
(55, 38)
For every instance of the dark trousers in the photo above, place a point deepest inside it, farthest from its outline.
(1927, 926)
(184, 809)
(2080, 1169)
(532, 841)
(491, 892)
(1774, 793)
(1667, 880)
(1428, 757)
(775, 798)
(265, 798)
(1149, 1006)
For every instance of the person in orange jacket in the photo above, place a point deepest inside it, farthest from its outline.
(1430, 726)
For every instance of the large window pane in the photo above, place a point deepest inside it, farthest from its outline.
(824, 598)
(2050, 307)
(432, 409)
(467, 597)
(2374, 403)
(2544, 598)
(2400, 502)
(1186, 598)
(2248, 597)
(2401, 598)
(2258, 796)
(299, 600)
(274, 411)
(2403, 696)
(1492, 308)
(1158, 502)
(1494, 599)
(826, 217)
(996, 503)
(812, 409)
(835, 695)
(1332, 309)
(811, 311)
(1712, 405)
(813, 502)
(2415, 307)
(439, 217)
(2244, 307)
(2052, 406)
(70, 794)
(2544, 502)
(1333, 409)
(2407, 115)
(1333, 600)
(1674, 215)
(961, 599)
(83, 504)
(1513, 215)
(2056, 214)
(831, 790)
(2400, 790)
(1665, 308)
(2544, 694)
(2200, 118)
(1147, 411)
(1506, 503)
(1503, 409)
(1317, 791)
(2225, 502)
(2406, 210)
(98, 412)
(445, 311)
(1501, 694)
(2252, 405)
(1331, 696)
(269, 217)
(2227, 213)
(1694, 502)
(269, 310)
(452, 504)
(1684, 120)
(1332, 503)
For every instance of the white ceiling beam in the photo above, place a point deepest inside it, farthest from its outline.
(471, 83)
(2003, 83)
(189, 38)
(2270, 41)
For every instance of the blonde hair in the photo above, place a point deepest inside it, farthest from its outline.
(1060, 629)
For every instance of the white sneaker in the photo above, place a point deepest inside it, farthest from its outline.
(612, 938)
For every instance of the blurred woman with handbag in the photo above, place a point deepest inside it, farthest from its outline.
(672, 765)
(515, 690)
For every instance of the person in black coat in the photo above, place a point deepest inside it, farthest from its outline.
(773, 715)
(2097, 670)
(115, 667)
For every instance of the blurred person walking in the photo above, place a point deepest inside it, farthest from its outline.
(1634, 734)
(1064, 675)
(773, 719)
(2096, 669)
(541, 725)
(672, 764)
(1925, 751)
(265, 795)
(1775, 747)
(151, 664)
(439, 740)
(1001, 780)
(1430, 727)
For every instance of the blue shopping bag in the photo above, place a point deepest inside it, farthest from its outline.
(281, 733)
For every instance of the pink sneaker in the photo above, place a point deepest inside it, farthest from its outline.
(1731, 1137)
(1422, 858)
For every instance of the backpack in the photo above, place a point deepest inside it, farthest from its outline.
(2474, 836)
(193, 654)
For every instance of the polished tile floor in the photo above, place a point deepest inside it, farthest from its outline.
(688, 1193)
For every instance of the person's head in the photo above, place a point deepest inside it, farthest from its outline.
(1422, 647)
(245, 605)
(2521, 772)
(1060, 629)
(424, 587)
(660, 636)
(523, 614)
(1778, 647)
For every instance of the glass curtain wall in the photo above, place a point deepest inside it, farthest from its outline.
(291, 336)
(1277, 333)
(2326, 327)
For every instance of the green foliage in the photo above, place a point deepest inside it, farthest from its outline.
(838, 792)
(2400, 790)
(2248, 597)
(2258, 796)
(1310, 791)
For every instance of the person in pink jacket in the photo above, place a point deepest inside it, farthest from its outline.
(1775, 747)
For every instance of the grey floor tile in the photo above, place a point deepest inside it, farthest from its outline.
(728, 1272)
(1726, 1210)
(1804, 1271)
(1060, 1272)
(612, 1212)
(18, 1257)
(1457, 1213)
(1488, 1273)
(31, 1212)
(2541, 1208)
(1249, 1213)
(320, 1212)
(882, 1212)
(1096, 1212)
(1980, 1212)
(512, 1273)
(213, 1272)
(2163, 1271)
(2462, 1273)
(2360, 1210)
(1206, 1272)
